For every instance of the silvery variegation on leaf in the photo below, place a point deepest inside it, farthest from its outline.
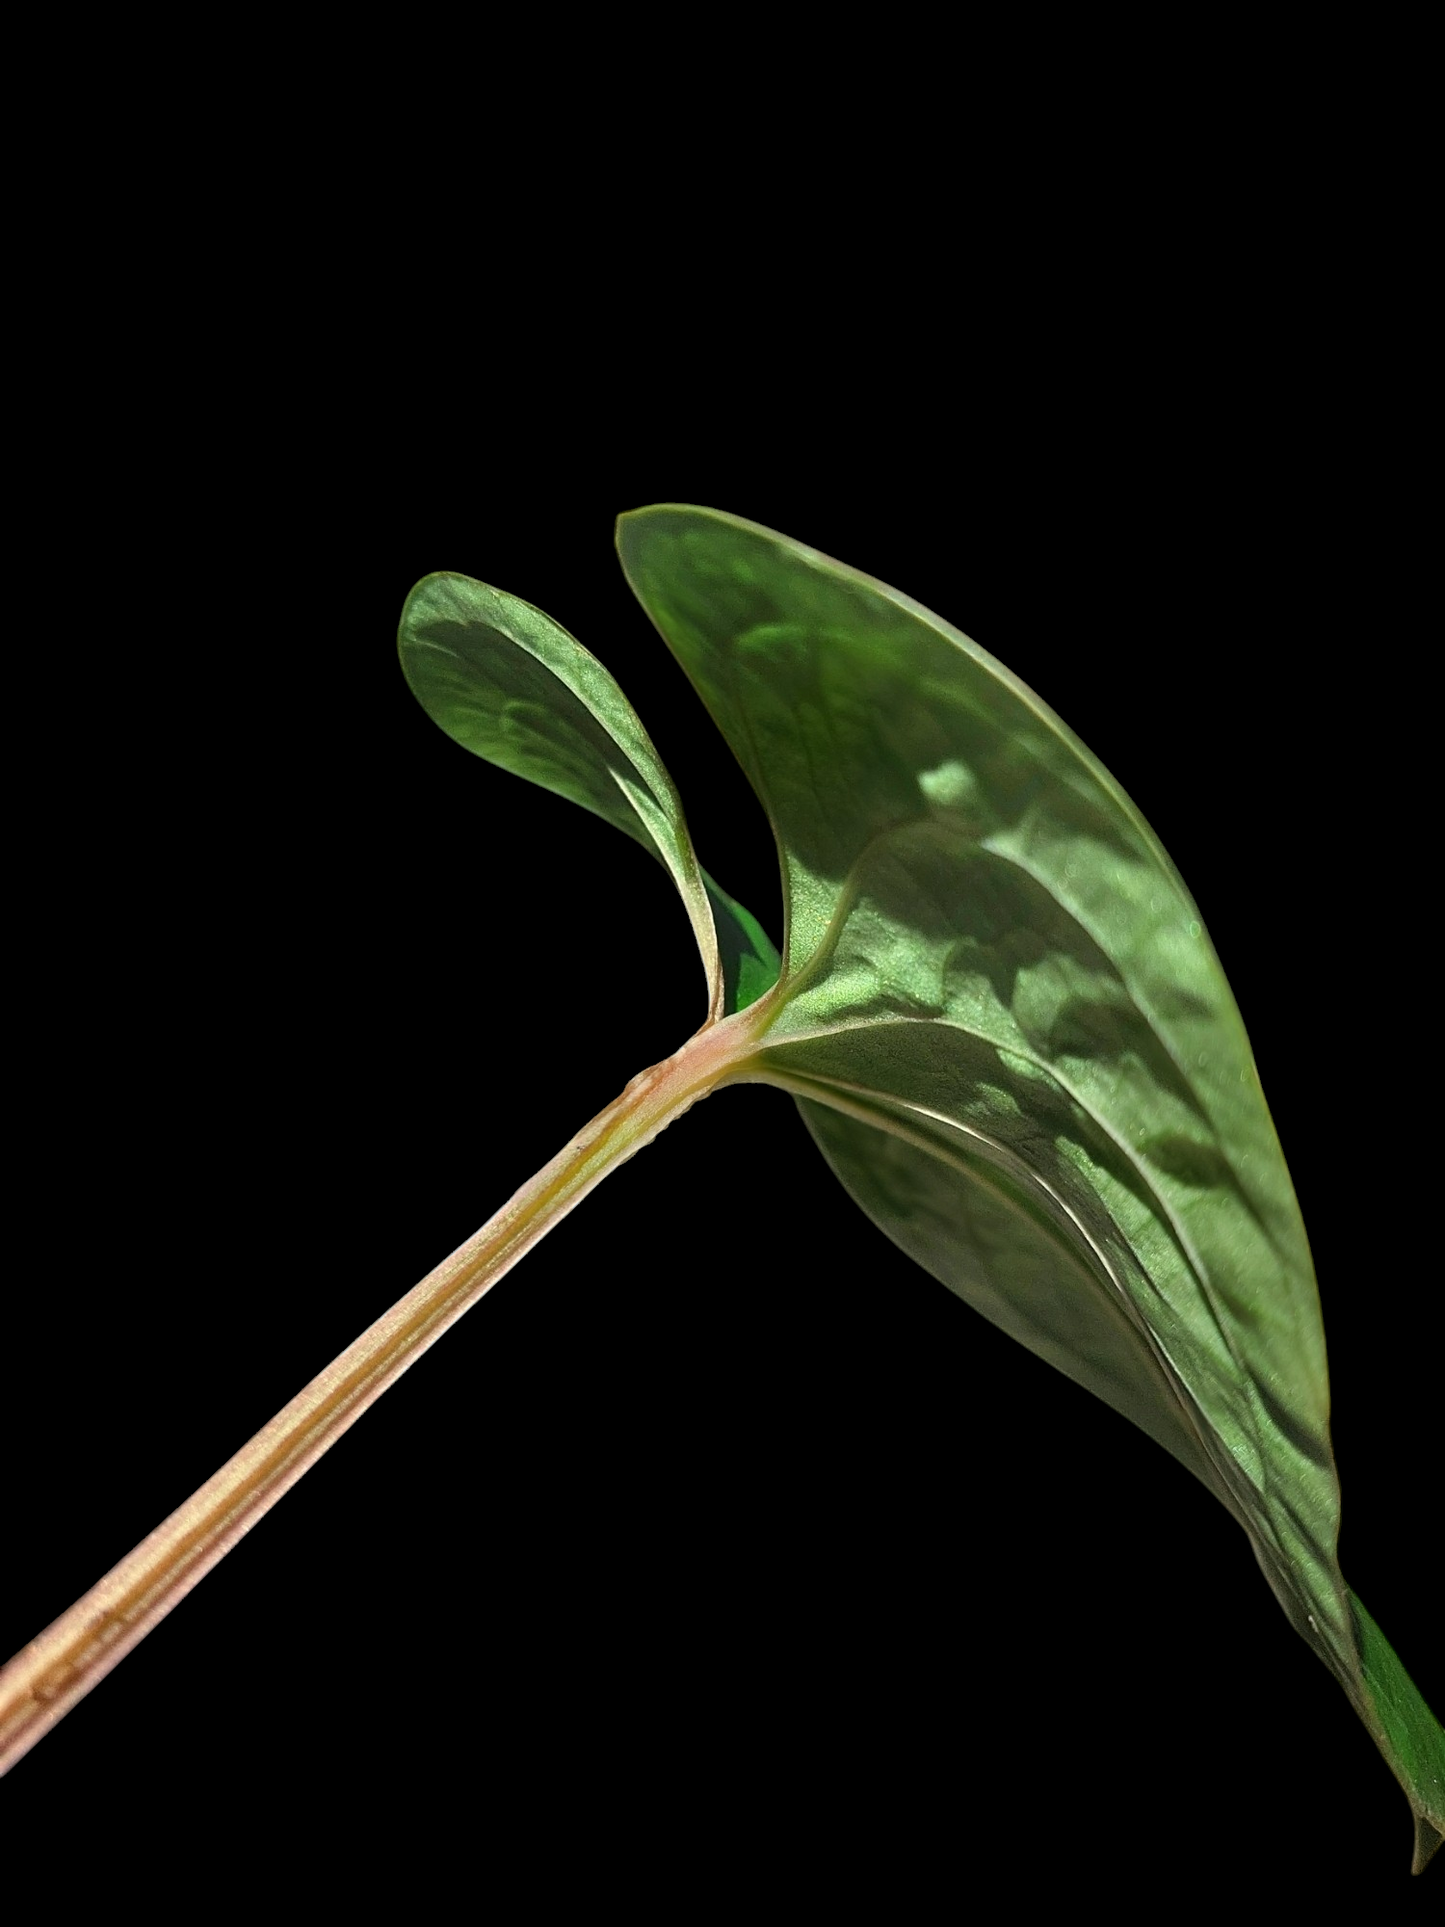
(996, 1006)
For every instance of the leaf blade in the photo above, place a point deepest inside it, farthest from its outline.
(508, 683)
(983, 932)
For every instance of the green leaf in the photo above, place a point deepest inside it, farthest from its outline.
(750, 961)
(1406, 1732)
(511, 685)
(1011, 1036)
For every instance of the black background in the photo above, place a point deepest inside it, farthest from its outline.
(718, 1533)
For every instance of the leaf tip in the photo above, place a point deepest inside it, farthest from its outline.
(1427, 1841)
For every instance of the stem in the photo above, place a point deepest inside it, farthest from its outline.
(47, 1677)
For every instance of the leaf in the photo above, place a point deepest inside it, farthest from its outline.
(1013, 1041)
(511, 685)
